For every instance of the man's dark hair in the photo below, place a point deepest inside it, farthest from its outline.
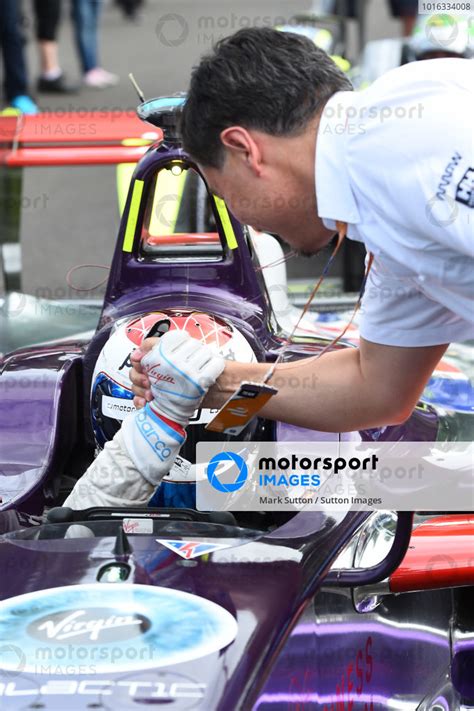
(258, 78)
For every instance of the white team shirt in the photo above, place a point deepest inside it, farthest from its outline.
(395, 162)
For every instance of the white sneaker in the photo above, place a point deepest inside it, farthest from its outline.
(99, 78)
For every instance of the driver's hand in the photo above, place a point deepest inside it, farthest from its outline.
(141, 385)
(181, 370)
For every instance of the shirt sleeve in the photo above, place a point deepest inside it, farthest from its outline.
(396, 312)
(411, 159)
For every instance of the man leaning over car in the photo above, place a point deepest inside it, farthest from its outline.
(270, 116)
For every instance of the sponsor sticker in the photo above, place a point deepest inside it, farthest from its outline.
(465, 188)
(86, 629)
(191, 549)
(117, 407)
(137, 525)
(154, 688)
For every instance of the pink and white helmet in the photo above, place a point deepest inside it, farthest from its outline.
(111, 390)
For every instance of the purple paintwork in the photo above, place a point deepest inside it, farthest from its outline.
(38, 422)
(333, 655)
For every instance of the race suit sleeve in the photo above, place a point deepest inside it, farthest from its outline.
(111, 480)
(132, 465)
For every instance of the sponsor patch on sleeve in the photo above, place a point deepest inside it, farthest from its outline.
(465, 188)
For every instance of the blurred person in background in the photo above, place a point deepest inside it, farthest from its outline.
(47, 18)
(14, 65)
(130, 8)
(407, 11)
(86, 15)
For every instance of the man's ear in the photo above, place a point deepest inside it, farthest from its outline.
(243, 146)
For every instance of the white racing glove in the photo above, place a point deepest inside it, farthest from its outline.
(132, 465)
(181, 369)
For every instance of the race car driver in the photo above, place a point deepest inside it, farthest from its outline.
(279, 135)
(132, 465)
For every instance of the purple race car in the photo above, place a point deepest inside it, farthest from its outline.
(133, 607)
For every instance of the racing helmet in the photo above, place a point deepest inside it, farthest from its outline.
(111, 393)
(440, 36)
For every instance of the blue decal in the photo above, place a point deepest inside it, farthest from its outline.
(191, 549)
(113, 627)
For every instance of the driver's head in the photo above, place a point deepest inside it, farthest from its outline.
(250, 122)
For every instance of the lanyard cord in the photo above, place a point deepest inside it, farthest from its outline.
(342, 231)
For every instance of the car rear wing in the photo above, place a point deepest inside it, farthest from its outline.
(74, 138)
(58, 139)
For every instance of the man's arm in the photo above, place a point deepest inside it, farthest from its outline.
(342, 391)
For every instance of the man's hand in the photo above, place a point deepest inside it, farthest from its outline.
(349, 389)
(178, 370)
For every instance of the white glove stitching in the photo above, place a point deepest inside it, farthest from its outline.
(197, 361)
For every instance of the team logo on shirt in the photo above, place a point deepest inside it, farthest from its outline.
(447, 175)
(465, 188)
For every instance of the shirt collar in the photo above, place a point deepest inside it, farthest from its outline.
(334, 195)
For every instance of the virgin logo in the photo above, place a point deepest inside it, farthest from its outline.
(156, 375)
(89, 625)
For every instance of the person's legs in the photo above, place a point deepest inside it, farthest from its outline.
(85, 17)
(11, 41)
(47, 17)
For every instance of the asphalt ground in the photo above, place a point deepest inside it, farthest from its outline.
(70, 215)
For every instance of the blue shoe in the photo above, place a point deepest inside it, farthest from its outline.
(24, 104)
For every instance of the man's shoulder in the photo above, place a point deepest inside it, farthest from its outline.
(453, 73)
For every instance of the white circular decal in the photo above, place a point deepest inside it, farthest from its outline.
(111, 627)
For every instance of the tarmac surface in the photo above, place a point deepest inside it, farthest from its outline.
(70, 215)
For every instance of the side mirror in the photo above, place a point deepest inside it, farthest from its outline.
(357, 577)
(440, 555)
